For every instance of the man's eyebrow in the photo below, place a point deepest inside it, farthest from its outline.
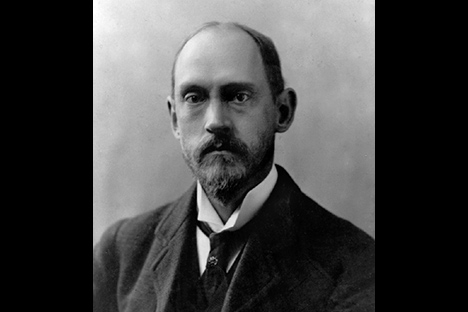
(228, 87)
(188, 87)
(237, 86)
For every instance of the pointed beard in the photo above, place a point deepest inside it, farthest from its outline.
(223, 174)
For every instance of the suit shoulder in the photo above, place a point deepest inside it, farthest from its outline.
(323, 223)
(133, 231)
(333, 241)
(344, 252)
(144, 223)
(318, 225)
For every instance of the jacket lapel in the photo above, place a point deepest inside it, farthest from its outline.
(255, 275)
(174, 236)
(272, 233)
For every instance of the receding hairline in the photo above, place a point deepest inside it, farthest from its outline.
(252, 33)
(225, 29)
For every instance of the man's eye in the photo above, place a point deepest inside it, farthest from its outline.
(194, 98)
(240, 98)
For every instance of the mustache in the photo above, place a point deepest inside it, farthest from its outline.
(221, 143)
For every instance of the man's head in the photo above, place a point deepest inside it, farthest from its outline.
(227, 103)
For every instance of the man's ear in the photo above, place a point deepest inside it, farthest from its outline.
(286, 103)
(173, 114)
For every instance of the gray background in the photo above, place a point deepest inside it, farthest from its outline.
(327, 49)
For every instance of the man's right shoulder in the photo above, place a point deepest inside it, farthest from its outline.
(135, 232)
(125, 246)
(125, 234)
(144, 224)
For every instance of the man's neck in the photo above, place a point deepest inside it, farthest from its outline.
(225, 209)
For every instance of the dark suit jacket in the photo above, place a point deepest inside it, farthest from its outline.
(300, 257)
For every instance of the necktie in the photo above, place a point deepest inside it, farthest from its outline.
(213, 283)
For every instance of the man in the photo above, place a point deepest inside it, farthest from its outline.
(243, 237)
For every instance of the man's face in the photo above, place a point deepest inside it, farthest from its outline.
(222, 111)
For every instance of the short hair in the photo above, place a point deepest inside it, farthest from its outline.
(268, 52)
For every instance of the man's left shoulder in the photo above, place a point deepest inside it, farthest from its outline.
(324, 233)
(331, 240)
(326, 226)
(333, 259)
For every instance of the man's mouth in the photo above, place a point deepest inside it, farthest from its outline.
(217, 149)
(220, 152)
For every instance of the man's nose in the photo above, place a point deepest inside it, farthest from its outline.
(217, 117)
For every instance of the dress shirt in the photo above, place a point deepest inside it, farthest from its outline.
(251, 204)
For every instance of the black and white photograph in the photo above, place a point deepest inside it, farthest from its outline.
(233, 155)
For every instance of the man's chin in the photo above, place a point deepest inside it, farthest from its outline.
(219, 174)
(222, 171)
(220, 159)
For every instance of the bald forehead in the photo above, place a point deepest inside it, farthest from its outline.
(215, 38)
(217, 51)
